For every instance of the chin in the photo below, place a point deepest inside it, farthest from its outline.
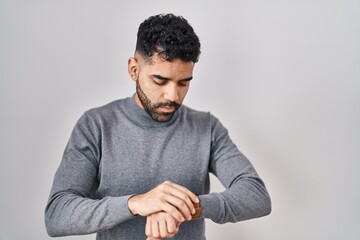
(163, 117)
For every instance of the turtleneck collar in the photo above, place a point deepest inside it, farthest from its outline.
(142, 118)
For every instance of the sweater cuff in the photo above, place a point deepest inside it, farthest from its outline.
(120, 211)
(210, 205)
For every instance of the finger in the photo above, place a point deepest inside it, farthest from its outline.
(171, 225)
(163, 229)
(181, 205)
(148, 227)
(173, 211)
(155, 229)
(177, 191)
(192, 196)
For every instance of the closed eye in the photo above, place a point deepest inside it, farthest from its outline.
(160, 83)
(159, 80)
(183, 83)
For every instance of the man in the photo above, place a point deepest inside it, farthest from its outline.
(139, 167)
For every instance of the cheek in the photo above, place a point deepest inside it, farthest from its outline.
(151, 90)
(183, 92)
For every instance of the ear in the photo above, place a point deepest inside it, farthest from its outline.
(133, 68)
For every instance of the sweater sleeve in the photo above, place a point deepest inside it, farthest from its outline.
(245, 196)
(70, 209)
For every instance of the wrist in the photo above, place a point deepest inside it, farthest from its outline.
(132, 204)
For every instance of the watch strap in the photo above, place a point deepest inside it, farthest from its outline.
(197, 211)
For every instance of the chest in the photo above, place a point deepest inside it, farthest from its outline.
(136, 161)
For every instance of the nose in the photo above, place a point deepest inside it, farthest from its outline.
(171, 93)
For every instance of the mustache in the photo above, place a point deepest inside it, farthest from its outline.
(167, 104)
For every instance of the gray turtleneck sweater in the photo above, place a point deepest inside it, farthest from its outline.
(118, 150)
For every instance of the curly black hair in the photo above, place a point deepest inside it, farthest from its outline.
(170, 36)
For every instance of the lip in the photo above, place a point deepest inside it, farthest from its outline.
(167, 109)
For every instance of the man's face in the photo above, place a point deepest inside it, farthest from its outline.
(161, 86)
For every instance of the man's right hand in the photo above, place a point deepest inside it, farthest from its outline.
(168, 197)
(161, 225)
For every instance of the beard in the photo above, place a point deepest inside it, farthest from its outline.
(153, 108)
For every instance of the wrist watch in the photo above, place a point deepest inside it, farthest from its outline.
(197, 211)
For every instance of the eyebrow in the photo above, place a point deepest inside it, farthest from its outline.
(167, 79)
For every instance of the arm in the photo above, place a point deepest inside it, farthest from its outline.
(245, 196)
(70, 209)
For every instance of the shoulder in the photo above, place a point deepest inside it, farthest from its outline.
(106, 109)
(106, 113)
(192, 114)
(204, 117)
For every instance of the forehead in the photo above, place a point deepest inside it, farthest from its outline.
(175, 67)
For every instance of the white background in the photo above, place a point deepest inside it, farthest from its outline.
(282, 76)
